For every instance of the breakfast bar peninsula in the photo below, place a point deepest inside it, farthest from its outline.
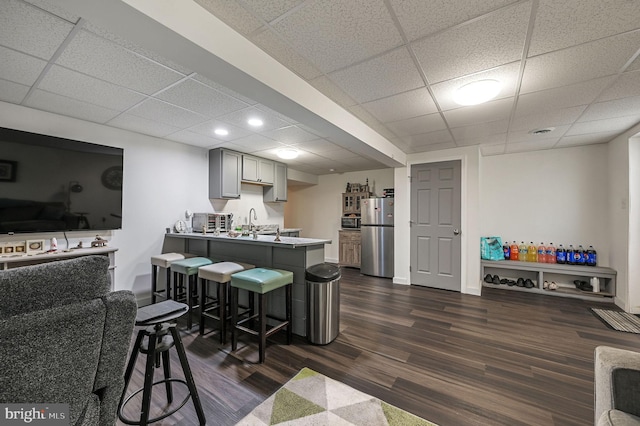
(290, 253)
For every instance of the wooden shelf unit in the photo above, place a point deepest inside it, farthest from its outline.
(561, 274)
(349, 247)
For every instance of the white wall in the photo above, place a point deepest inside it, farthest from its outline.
(317, 209)
(633, 251)
(251, 197)
(558, 196)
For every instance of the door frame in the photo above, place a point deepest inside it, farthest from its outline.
(470, 221)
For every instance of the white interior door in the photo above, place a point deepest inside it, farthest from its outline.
(435, 225)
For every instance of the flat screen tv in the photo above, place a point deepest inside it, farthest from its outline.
(52, 184)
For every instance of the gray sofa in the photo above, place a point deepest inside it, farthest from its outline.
(64, 337)
(617, 387)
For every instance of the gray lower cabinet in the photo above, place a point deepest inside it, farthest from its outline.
(225, 168)
(277, 192)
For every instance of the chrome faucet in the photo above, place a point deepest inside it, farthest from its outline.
(255, 217)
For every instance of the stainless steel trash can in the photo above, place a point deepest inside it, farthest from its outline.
(323, 303)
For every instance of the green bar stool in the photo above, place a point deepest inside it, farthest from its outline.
(163, 261)
(188, 268)
(260, 281)
(216, 307)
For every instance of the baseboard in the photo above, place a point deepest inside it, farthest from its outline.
(401, 280)
(331, 260)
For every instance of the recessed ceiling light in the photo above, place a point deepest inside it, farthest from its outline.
(542, 131)
(221, 132)
(255, 122)
(477, 92)
(288, 153)
(332, 170)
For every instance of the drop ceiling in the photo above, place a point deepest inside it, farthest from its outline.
(570, 65)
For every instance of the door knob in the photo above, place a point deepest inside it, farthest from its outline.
(456, 231)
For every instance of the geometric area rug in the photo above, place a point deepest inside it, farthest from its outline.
(313, 399)
(621, 321)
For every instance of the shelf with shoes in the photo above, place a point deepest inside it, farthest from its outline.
(550, 278)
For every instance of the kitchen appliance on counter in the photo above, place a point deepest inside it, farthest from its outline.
(211, 221)
(350, 222)
(376, 230)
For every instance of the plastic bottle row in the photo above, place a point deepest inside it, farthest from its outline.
(550, 254)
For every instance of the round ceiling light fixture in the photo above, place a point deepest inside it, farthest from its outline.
(255, 122)
(221, 132)
(288, 153)
(477, 92)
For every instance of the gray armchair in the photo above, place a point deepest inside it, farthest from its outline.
(64, 337)
(617, 387)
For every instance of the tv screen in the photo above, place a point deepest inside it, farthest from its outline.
(54, 184)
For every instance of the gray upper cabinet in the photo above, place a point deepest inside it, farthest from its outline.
(277, 192)
(225, 168)
(257, 170)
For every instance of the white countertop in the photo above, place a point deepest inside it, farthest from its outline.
(261, 240)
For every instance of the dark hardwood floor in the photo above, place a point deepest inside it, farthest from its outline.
(506, 358)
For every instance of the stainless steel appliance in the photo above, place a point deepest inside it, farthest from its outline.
(376, 230)
(212, 220)
(350, 222)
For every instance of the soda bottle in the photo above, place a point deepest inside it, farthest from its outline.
(551, 253)
(542, 253)
(514, 251)
(592, 258)
(532, 252)
(506, 250)
(571, 255)
(561, 255)
(581, 259)
(522, 252)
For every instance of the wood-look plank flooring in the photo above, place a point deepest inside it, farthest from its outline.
(505, 358)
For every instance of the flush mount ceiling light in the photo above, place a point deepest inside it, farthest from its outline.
(221, 132)
(288, 153)
(255, 122)
(477, 92)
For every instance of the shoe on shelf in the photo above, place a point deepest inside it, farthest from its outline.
(520, 282)
(496, 279)
(528, 283)
(545, 285)
(553, 286)
(488, 278)
(503, 281)
(510, 283)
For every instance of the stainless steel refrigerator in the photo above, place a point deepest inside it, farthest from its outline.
(376, 228)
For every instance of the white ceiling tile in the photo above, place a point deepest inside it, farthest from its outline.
(401, 106)
(587, 139)
(611, 109)
(191, 138)
(272, 9)
(231, 146)
(318, 133)
(339, 154)
(223, 89)
(505, 74)
(275, 114)
(619, 125)
(527, 136)
(290, 135)
(332, 91)
(52, 8)
(548, 118)
(561, 97)
(19, 68)
(108, 61)
(579, 63)
(240, 118)
(419, 17)
(497, 149)
(480, 130)
(491, 139)
(142, 125)
(317, 146)
(88, 89)
(565, 23)
(252, 143)
(488, 42)
(197, 97)
(284, 54)
(476, 114)
(367, 118)
(635, 65)
(334, 34)
(153, 109)
(12, 92)
(207, 129)
(388, 74)
(46, 101)
(232, 14)
(531, 146)
(29, 29)
(417, 125)
(627, 84)
(430, 138)
(432, 148)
